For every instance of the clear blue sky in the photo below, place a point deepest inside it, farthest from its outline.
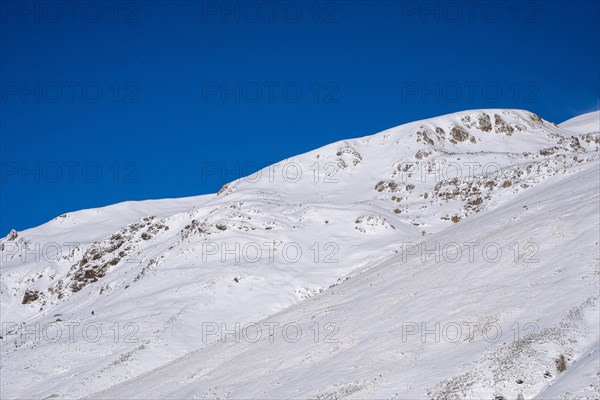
(110, 101)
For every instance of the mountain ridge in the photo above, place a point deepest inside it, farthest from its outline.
(295, 231)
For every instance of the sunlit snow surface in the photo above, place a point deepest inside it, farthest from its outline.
(455, 257)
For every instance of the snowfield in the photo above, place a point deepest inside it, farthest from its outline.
(451, 258)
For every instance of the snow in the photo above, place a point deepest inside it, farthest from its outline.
(100, 222)
(377, 355)
(584, 123)
(580, 381)
(334, 251)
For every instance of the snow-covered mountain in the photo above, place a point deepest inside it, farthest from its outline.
(454, 257)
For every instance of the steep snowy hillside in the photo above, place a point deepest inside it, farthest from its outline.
(110, 299)
(412, 328)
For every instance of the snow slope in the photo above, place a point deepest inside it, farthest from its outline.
(580, 381)
(87, 226)
(331, 237)
(585, 123)
(381, 349)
